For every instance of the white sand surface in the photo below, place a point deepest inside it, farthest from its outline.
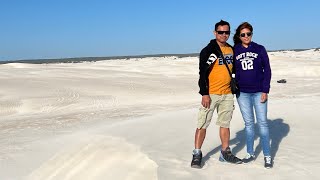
(135, 119)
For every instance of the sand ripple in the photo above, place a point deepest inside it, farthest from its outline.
(98, 157)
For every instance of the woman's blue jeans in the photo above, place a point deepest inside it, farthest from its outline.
(249, 102)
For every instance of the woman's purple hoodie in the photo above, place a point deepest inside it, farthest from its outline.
(252, 68)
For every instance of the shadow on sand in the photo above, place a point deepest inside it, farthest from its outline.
(277, 129)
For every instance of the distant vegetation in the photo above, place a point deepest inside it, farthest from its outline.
(297, 50)
(93, 59)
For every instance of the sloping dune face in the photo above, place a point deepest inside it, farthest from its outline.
(98, 157)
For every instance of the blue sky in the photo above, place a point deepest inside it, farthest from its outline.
(36, 29)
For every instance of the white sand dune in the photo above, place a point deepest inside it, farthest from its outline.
(97, 157)
(135, 119)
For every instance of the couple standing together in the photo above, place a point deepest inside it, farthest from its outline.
(250, 63)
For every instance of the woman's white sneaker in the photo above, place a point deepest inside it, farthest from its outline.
(249, 158)
(268, 162)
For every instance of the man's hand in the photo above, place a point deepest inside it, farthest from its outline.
(206, 101)
(264, 97)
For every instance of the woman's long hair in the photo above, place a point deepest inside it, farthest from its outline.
(236, 37)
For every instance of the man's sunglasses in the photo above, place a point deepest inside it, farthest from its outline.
(244, 34)
(223, 32)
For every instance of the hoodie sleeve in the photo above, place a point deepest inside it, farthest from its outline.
(202, 72)
(233, 62)
(267, 71)
(236, 70)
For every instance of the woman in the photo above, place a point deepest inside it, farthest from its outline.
(253, 74)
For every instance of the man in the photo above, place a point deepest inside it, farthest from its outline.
(214, 83)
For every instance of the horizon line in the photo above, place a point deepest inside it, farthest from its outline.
(100, 58)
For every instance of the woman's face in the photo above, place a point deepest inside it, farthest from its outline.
(245, 36)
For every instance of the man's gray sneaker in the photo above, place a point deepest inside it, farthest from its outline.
(196, 160)
(227, 156)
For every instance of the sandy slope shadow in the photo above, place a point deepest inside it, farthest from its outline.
(278, 130)
(96, 157)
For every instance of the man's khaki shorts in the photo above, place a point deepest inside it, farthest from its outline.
(224, 105)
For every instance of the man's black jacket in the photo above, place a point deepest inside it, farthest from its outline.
(207, 55)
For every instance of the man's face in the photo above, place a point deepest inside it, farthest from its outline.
(222, 33)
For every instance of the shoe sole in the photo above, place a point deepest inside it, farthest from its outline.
(249, 162)
(223, 160)
(196, 166)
